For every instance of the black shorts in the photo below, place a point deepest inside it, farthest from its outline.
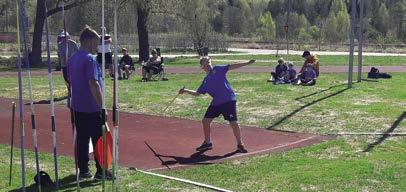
(65, 74)
(108, 58)
(228, 110)
(151, 69)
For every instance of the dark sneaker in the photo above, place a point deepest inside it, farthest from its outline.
(205, 146)
(99, 175)
(241, 149)
(85, 175)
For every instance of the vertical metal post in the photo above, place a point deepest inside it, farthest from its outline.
(360, 38)
(20, 94)
(6, 13)
(287, 27)
(351, 59)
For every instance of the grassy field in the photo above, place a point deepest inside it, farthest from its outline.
(361, 163)
(270, 60)
(262, 60)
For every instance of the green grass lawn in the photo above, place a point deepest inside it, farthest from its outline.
(262, 60)
(325, 60)
(329, 107)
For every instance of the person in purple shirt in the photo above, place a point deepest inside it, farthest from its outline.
(224, 100)
(308, 76)
(86, 101)
(291, 73)
(280, 72)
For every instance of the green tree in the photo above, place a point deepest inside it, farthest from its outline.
(396, 14)
(267, 29)
(338, 22)
(41, 14)
(381, 19)
(297, 23)
(314, 32)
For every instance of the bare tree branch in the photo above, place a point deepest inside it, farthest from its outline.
(122, 3)
(67, 7)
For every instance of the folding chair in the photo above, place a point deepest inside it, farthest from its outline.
(158, 73)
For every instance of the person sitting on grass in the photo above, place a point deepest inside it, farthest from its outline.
(308, 76)
(291, 73)
(224, 100)
(280, 72)
(126, 64)
(313, 60)
(151, 66)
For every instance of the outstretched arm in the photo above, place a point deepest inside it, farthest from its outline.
(238, 65)
(188, 91)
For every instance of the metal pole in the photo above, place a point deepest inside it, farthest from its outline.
(115, 103)
(103, 102)
(6, 13)
(13, 114)
(52, 104)
(360, 39)
(72, 113)
(20, 96)
(287, 28)
(351, 59)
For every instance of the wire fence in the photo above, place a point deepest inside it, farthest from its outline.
(215, 42)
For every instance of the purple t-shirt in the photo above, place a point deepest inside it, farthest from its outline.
(309, 74)
(84, 67)
(216, 85)
(292, 73)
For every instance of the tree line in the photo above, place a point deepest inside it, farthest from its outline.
(328, 21)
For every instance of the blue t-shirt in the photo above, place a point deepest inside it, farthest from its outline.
(216, 85)
(82, 68)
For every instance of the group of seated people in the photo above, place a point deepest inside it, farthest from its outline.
(286, 74)
(154, 65)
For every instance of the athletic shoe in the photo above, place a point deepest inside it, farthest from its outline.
(241, 148)
(99, 175)
(86, 175)
(205, 146)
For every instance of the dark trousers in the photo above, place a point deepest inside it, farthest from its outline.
(88, 126)
(275, 76)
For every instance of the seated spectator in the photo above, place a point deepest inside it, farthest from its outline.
(126, 64)
(291, 73)
(313, 60)
(280, 72)
(308, 76)
(151, 66)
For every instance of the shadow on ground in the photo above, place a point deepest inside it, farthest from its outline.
(281, 120)
(67, 183)
(386, 133)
